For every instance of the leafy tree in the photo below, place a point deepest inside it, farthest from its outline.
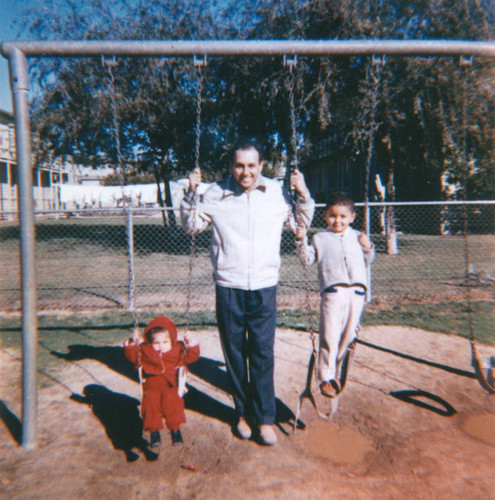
(418, 140)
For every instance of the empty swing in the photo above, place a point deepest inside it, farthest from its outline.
(484, 375)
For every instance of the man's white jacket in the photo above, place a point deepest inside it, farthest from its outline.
(246, 229)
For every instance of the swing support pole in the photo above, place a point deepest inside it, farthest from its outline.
(19, 84)
(17, 53)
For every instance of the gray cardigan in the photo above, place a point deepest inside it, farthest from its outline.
(341, 259)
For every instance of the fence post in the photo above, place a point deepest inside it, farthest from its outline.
(130, 255)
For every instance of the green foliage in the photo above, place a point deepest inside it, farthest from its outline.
(419, 136)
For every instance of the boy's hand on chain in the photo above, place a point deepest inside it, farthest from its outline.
(364, 241)
(301, 232)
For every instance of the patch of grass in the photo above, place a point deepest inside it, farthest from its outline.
(451, 318)
(108, 327)
(56, 332)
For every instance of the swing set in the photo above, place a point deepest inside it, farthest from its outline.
(18, 53)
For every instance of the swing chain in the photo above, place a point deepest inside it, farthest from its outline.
(199, 91)
(198, 63)
(189, 284)
(309, 311)
(465, 63)
(374, 76)
(132, 296)
(111, 63)
(291, 63)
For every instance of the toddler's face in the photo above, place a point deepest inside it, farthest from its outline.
(162, 342)
(338, 218)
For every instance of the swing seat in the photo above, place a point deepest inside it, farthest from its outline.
(344, 369)
(307, 393)
(486, 380)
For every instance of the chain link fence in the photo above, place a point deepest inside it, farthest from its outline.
(139, 260)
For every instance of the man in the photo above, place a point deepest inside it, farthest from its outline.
(246, 213)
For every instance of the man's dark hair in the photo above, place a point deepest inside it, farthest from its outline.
(340, 198)
(247, 143)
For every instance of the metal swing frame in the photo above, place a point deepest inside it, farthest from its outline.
(18, 53)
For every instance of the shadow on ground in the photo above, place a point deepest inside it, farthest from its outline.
(11, 421)
(209, 370)
(119, 415)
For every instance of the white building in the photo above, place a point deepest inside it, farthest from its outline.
(46, 179)
(64, 185)
(8, 168)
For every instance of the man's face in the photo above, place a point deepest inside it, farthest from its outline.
(247, 168)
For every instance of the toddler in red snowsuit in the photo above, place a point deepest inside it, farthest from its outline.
(160, 356)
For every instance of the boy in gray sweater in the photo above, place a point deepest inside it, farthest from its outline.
(342, 255)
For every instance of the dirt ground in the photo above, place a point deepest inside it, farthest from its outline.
(412, 423)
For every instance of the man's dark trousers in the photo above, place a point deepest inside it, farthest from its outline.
(246, 321)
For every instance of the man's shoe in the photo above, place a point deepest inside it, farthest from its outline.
(267, 435)
(155, 439)
(330, 389)
(177, 438)
(243, 429)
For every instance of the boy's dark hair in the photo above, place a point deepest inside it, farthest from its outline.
(340, 198)
(148, 336)
(247, 143)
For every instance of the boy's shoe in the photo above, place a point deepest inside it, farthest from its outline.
(155, 439)
(329, 388)
(176, 437)
(267, 435)
(243, 429)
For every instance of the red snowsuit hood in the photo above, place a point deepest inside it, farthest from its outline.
(164, 322)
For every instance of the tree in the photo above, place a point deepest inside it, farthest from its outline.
(418, 138)
(135, 115)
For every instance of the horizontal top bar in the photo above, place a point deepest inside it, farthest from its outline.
(248, 47)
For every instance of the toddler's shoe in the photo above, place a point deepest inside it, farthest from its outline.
(329, 388)
(267, 435)
(176, 437)
(155, 439)
(243, 429)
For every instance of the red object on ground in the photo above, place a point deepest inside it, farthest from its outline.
(190, 467)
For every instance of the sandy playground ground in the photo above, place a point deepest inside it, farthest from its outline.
(412, 423)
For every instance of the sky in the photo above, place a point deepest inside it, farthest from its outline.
(9, 10)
